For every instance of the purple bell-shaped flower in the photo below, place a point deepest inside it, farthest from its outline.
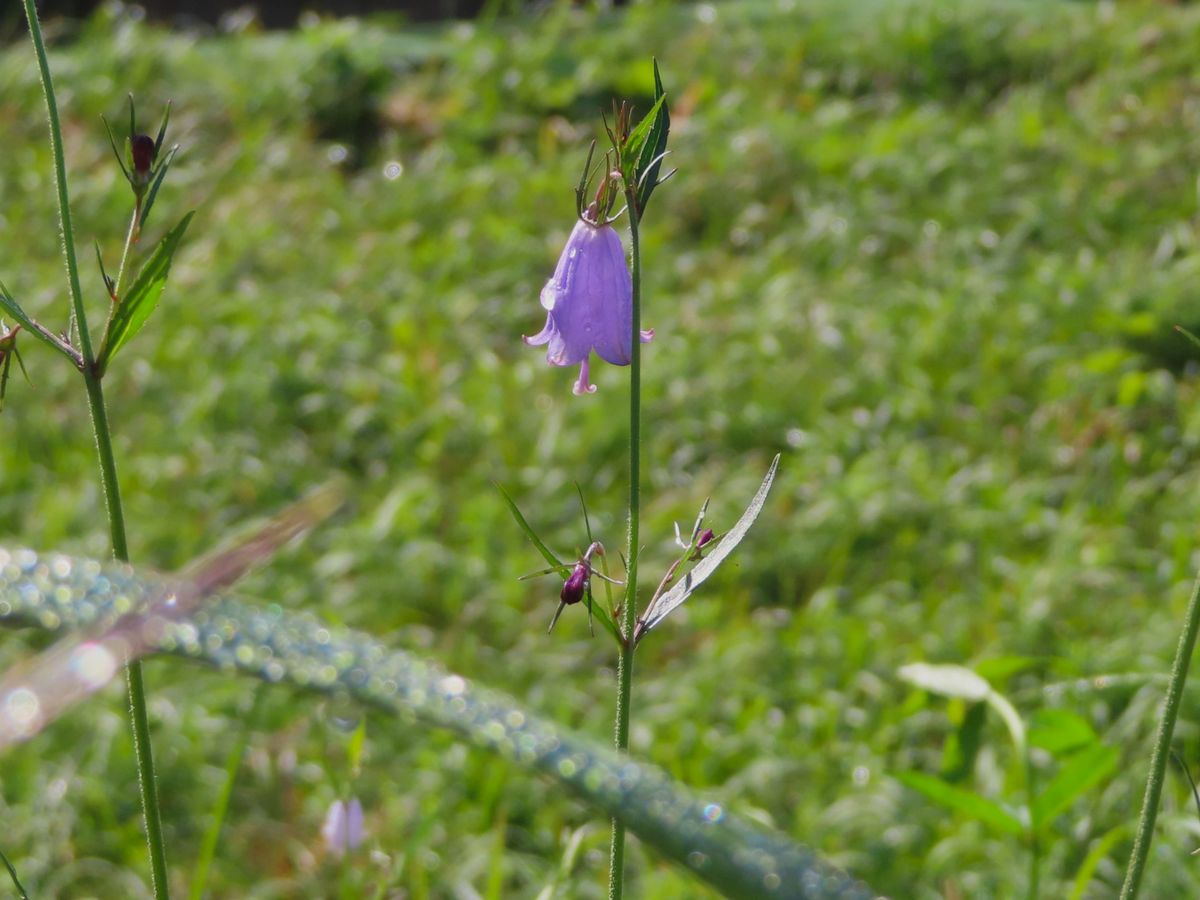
(589, 302)
(343, 827)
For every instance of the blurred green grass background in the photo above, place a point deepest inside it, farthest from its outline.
(931, 252)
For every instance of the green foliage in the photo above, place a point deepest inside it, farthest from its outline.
(134, 307)
(918, 272)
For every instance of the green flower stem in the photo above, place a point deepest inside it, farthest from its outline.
(60, 176)
(1162, 747)
(108, 466)
(131, 237)
(616, 867)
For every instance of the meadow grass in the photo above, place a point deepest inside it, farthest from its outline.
(932, 253)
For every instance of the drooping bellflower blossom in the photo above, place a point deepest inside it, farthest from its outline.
(343, 827)
(589, 302)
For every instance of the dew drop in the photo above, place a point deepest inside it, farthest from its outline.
(20, 713)
(93, 665)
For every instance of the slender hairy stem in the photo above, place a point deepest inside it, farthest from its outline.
(60, 176)
(108, 465)
(130, 239)
(1162, 747)
(616, 867)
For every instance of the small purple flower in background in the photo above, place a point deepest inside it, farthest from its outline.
(343, 827)
(589, 302)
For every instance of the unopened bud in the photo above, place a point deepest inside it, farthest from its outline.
(576, 584)
(706, 537)
(142, 149)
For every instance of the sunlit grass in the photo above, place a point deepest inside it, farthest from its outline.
(931, 256)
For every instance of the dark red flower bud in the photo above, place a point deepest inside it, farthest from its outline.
(705, 538)
(142, 149)
(574, 587)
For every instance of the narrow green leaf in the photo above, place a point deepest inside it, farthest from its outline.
(547, 554)
(1096, 855)
(108, 282)
(1187, 334)
(14, 309)
(638, 139)
(963, 801)
(156, 184)
(162, 128)
(584, 180)
(587, 523)
(651, 156)
(5, 366)
(672, 599)
(12, 873)
(1078, 774)
(946, 681)
(117, 153)
(358, 743)
(233, 762)
(601, 614)
(135, 307)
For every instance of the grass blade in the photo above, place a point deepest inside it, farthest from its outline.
(547, 554)
(962, 801)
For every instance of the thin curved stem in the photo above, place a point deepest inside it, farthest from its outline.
(108, 467)
(1162, 747)
(616, 868)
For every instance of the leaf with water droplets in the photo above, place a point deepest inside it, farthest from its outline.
(737, 857)
(36, 693)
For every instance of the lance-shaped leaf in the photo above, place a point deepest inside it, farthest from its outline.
(1079, 774)
(1187, 334)
(134, 308)
(159, 175)
(9, 352)
(547, 554)
(652, 151)
(672, 599)
(963, 801)
(43, 334)
(638, 142)
(12, 874)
